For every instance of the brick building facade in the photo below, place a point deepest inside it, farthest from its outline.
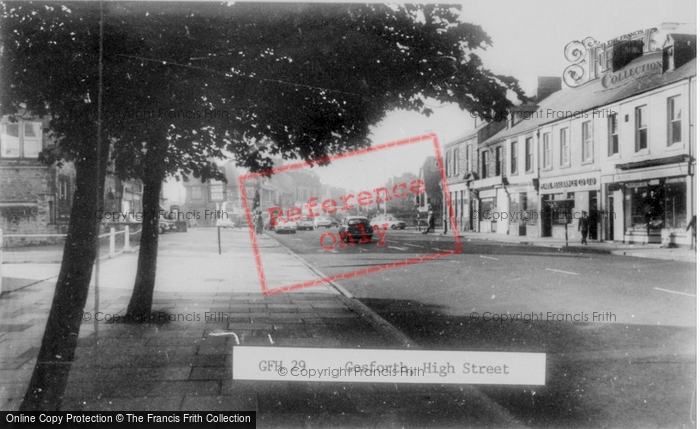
(35, 198)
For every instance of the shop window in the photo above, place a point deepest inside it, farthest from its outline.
(486, 209)
(564, 150)
(673, 106)
(587, 141)
(498, 161)
(455, 206)
(514, 157)
(640, 121)
(613, 137)
(519, 212)
(531, 211)
(644, 208)
(561, 211)
(528, 154)
(547, 149)
(675, 204)
(21, 139)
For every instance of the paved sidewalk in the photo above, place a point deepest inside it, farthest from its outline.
(654, 251)
(186, 364)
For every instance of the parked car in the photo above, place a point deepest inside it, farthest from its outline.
(306, 223)
(285, 226)
(355, 225)
(323, 221)
(388, 220)
(166, 225)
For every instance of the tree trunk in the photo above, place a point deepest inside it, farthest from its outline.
(141, 301)
(50, 376)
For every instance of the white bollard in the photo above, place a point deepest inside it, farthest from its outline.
(111, 242)
(126, 238)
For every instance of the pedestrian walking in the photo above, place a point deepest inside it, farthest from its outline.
(431, 222)
(694, 237)
(583, 225)
(258, 223)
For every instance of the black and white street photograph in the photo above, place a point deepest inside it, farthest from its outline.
(348, 215)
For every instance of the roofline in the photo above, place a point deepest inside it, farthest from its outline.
(588, 110)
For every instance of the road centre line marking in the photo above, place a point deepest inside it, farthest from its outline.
(405, 244)
(673, 291)
(412, 245)
(560, 271)
(439, 250)
(399, 248)
(488, 257)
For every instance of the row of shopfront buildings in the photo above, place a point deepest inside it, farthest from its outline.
(618, 144)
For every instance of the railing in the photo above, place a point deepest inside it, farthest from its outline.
(111, 235)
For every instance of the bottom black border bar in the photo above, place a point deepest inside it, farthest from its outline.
(131, 419)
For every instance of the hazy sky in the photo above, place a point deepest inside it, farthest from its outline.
(528, 41)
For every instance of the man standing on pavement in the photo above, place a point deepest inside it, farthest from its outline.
(583, 223)
(258, 223)
(694, 234)
(431, 222)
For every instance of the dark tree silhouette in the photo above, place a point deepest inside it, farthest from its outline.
(294, 80)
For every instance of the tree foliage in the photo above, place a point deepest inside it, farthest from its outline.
(300, 81)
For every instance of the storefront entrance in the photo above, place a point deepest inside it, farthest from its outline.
(546, 219)
(611, 218)
(593, 215)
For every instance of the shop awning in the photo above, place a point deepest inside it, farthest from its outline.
(653, 162)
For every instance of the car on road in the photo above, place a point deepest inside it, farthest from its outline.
(356, 227)
(323, 221)
(306, 223)
(285, 226)
(166, 225)
(388, 220)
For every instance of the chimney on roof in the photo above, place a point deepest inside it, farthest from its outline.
(678, 50)
(546, 86)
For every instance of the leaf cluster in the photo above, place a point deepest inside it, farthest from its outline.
(197, 82)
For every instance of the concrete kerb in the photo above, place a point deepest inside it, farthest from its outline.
(377, 322)
(595, 247)
(391, 333)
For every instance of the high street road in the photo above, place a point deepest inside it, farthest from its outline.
(619, 332)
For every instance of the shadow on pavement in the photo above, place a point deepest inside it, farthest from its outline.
(598, 374)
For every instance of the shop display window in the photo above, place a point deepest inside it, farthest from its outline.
(651, 207)
(486, 208)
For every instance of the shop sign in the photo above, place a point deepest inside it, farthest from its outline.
(591, 181)
(592, 60)
(649, 65)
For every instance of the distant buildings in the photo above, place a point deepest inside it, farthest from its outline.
(284, 189)
(432, 198)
